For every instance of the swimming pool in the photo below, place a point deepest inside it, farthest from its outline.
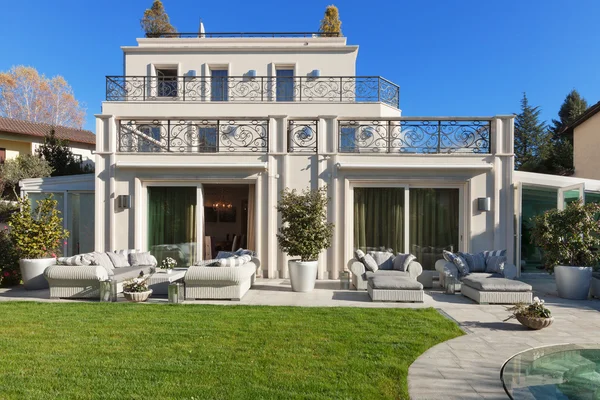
(554, 372)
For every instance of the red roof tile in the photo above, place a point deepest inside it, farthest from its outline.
(38, 129)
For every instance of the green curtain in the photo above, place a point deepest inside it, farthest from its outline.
(172, 223)
(433, 224)
(379, 218)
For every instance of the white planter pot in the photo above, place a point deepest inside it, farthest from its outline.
(32, 272)
(303, 275)
(137, 297)
(573, 282)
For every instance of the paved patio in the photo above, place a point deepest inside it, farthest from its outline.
(463, 368)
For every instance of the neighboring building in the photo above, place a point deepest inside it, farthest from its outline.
(19, 137)
(586, 142)
(200, 135)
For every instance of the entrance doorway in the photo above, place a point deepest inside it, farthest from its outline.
(228, 218)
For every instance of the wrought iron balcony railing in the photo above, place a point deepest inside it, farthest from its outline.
(194, 136)
(420, 136)
(338, 89)
(242, 34)
(303, 136)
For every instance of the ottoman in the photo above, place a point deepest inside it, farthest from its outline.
(395, 288)
(495, 290)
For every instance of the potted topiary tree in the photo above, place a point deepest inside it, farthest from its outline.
(570, 240)
(37, 237)
(304, 233)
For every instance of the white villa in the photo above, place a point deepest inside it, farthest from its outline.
(199, 136)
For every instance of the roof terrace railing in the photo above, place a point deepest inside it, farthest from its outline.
(242, 34)
(303, 89)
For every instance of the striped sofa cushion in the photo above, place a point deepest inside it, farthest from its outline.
(207, 263)
(234, 261)
(494, 253)
(73, 260)
(127, 252)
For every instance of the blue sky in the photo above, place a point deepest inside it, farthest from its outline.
(458, 57)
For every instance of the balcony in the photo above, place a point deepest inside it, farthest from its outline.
(415, 135)
(301, 89)
(213, 35)
(405, 135)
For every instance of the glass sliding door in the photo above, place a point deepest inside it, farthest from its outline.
(80, 208)
(433, 224)
(379, 219)
(172, 224)
(534, 201)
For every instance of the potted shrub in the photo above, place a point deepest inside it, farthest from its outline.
(136, 290)
(534, 315)
(37, 237)
(570, 240)
(304, 233)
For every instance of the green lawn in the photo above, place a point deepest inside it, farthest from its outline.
(144, 351)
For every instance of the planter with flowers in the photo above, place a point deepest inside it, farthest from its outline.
(136, 290)
(534, 315)
(37, 236)
(168, 264)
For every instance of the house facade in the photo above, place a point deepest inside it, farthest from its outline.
(19, 137)
(586, 138)
(199, 136)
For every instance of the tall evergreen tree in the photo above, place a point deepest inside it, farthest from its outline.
(331, 24)
(558, 154)
(59, 156)
(156, 21)
(530, 136)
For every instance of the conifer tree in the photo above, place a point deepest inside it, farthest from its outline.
(530, 136)
(331, 24)
(155, 21)
(558, 154)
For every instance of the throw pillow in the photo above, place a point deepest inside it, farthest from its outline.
(234, 261)
(402, 261)
(141, 259)
(103, 260)
(461, 265)
(495, 264)
(73, 260)
(476, 262)
(207, 263)
(449, 256)
(119, 260)
(244, 252)
(370, 263)
(225, 254)
(359, 255)
(384, 259)
(494, 253)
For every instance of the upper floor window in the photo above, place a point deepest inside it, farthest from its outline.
(207, 139)
(166, 82)
(2, 155)
(285, 85)
(152, 143)
(218, 85)
(348, 139)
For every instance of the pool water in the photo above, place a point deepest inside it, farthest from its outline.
(554, 372)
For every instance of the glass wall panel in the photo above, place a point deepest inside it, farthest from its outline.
(535, 201)
(571, 196)
(172, 224)
(379, 219)
(80, 209)
(59, 197)
(592, 197)
(433, 224)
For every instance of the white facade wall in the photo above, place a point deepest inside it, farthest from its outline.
(119, 173)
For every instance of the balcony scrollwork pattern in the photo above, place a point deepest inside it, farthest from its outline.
(194, 136)
(415, 136)
(305, 89)
(303, 136)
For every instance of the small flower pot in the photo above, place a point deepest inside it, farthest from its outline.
(32, 271)
(534, 323)
(137, 297)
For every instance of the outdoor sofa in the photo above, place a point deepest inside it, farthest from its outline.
(226, 277)
(387, 277)
(80, 276)
(484, 277)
